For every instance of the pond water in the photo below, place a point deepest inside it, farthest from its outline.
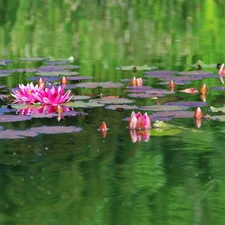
(64, 170)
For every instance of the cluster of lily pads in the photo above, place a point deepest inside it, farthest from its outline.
(51, 96)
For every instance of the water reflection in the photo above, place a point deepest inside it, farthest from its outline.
(139, 135)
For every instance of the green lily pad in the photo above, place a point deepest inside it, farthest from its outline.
(218, 117)
(126, 68)
(109, 84)
(113, 100)
(80, 97)
(163, 108)
(215, 110)
(48, 73)
(121, 107)
(68, 73)
(80, 104)
(165, 132)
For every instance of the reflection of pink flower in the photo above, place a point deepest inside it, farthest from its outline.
(44, 109)
(26, 93)
(139, 121)
(139, 135)
(221, 73)
(53, 96)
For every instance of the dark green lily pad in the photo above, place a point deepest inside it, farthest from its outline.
(121, 107)
(163, 108)
(33, 59)
(80, 104)
(138, 68)
(109, 84)
(107, 100)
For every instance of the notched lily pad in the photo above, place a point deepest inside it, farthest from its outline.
(109, 84)
(187, 103)
(163, 108)
(127, 68)
(121, 108)
(107, 100)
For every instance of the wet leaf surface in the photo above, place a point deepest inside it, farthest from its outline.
(109, 84)
(163, 108)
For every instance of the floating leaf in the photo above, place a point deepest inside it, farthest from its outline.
(7, 71)
(79, 78)
(218, 118)
(194, 72)
(55, 129)
(12, 118)
(161, 72)
(158, 132)
(80, 104)
(16, 134)
(138, 88)
(4, 74)
(33, 59)
(159, 91)
(26, 70)
(219, 88)
(126, 68)
(121, 107)
(220, 109)
(80, 97)
(163, 108)
(4, 62)
(48, 73)
(115, 100)
(68, 73)
(109, 84)
(174, 114)
(50, 68)
(177, 82)
(143, 95)
(57, 62)
(46, 79)
(187, 103)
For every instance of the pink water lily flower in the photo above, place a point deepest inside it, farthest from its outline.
(139, 121)
(53, 96)
(25, 93)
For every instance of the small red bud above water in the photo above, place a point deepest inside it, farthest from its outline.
(203, 89)
(103, 126)
(198, 114)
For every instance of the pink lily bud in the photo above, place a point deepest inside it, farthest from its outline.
(198, 113)
(147, 121)
(139, 82)
(133, 121)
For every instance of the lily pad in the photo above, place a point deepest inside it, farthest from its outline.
(55, 129)
(143, 95)
(80, 104)
(7, 71)
(121, 107)
(68, 73)
(219, 118)
(127, 68)
(4, 74)
(109, 84)
(16, 134)
(50, 68)
(26, 70)
(13, 118)
(106, 100)
(33, 59)
(187, 103)
(218, 88)
(57, 62)
(159, 91)
(45, 78)
(4, 62)
(174, 114)
(161, 72)
(194, 72)
(79, 78)
(176, 82)
(163, 108)
(216, 110)
(80, 97)
(138, 88)
(158, 132)
(49, 73)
